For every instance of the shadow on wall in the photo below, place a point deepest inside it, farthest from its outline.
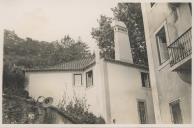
(186, 76)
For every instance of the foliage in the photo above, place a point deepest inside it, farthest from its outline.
(78, 110)
(14, 80)
(67, 41)
(105, 37)
(32, 53)
(18, 111)
(131, 15)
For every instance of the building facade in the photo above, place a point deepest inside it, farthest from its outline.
(117, 90)
(168, 39)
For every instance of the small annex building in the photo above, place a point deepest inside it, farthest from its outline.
(118, 90)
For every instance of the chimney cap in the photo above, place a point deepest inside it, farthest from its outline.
(118, 23)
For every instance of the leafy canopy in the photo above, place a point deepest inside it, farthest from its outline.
(105, 37)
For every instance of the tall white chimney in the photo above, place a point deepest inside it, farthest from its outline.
(122, 44)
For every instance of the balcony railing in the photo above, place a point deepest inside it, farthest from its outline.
(180, 48)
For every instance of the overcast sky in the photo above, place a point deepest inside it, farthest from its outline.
(49, 20)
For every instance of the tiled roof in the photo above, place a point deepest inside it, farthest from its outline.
(82, 64)
(76, 65)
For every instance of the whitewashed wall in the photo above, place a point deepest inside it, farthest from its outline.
(168, 86)
(54, 84)
(125, 89)
(60, 84)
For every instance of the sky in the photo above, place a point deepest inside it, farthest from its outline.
(50, 20)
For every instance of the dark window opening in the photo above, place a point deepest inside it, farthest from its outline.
(145, 80)
(176, 112)
(89, 78)
(190, 7)
(162, 45)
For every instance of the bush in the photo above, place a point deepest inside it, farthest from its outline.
(16, 110)
(77, 109)
(13, 80)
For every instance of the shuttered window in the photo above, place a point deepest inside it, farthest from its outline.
(77, 79)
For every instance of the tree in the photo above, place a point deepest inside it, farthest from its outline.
(13, 80)
(131, 15)
(67, 41)
(104, 36)
(33, 53)
(80, 49)
(69, 49)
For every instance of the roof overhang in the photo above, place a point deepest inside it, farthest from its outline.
(59, 69)
(127, 64)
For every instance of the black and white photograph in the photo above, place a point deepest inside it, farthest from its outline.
(96, 62)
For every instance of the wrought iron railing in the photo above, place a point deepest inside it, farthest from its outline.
(180, 48)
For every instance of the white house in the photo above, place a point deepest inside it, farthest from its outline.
(168, 39)
(118, 90)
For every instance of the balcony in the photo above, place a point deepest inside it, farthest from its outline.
(180, 52)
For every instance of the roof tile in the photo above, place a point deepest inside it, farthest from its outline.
(68, 66)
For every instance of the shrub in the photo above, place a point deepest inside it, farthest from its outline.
(77, 109)
(13, 80)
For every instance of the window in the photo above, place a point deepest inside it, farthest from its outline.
(142, 112)
(176, 112)
(145, 79)
(77, 79)
(162, 45)
(89, 78)
(152, 4)
(190, 7)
